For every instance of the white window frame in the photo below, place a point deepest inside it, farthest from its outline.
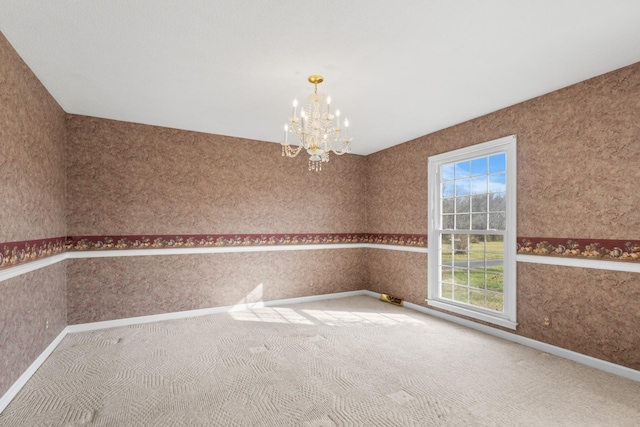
(506, 145)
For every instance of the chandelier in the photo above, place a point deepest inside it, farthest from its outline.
(317, 129)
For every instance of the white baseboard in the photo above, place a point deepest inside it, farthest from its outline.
(593, 362)
(17, 386)
(204, 311)
(603, 365)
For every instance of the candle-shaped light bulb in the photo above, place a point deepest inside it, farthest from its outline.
(346, 129)
(295, 104)
(286, 132)
(328, 105)
(337, 119)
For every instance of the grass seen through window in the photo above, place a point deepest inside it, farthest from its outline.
(472, 270)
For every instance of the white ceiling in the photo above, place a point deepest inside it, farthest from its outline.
(397, 70)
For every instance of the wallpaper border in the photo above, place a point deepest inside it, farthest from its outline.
(613, 250)
(83, 243)
(17, 253)
(14, 254)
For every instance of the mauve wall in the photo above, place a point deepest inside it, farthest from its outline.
(578, 176)
(115, 288)
(32, 134)
(126, 178)
(132, 179)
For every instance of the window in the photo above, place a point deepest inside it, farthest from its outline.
(472, 231)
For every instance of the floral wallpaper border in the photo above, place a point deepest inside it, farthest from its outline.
(84, 243)
(16, 253)
(616, 250)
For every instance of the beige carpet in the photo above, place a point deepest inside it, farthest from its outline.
(350, 361)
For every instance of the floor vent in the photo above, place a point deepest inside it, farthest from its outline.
(391, 299)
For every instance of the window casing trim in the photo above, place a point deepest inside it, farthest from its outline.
(506, 145)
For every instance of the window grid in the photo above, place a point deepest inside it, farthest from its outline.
(475, 278)
(471, 180)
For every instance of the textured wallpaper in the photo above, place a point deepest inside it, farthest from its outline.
(32, 134)
(398, 273)
(129, 179)
(32, 313)
(32, 202)
(126, 178)
(578, 175)
(593, 312)
(113, 288)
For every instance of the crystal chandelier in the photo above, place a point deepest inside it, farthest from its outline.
(317, 128)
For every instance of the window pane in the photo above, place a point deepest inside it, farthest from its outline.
(446, 255)
(495, 243)
(447, 222)
(497, 202)
(462, 187)
(479, 185)
(447, 275)
(477, 297)
(495, 254)
(446, 240)
(463, 204)
(447, 205)
(479, 203)
(446, 291)
(460, 242)
(461, 294)
(460, 259)
(476, 242)
(495, 265)
(495, 302)
(497, 183)
(448, 188)
(476, 276)
(463, 170)
(447, 172)
(462, 222)
(479, 166)
(479, 221)
(495, 282)
(497, 221)
(460, 276)
(498, 163)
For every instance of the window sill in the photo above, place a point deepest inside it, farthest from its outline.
(485, 317)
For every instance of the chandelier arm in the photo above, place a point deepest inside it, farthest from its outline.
(288, 151)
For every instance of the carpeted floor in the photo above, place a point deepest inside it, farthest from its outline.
(350, 361)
